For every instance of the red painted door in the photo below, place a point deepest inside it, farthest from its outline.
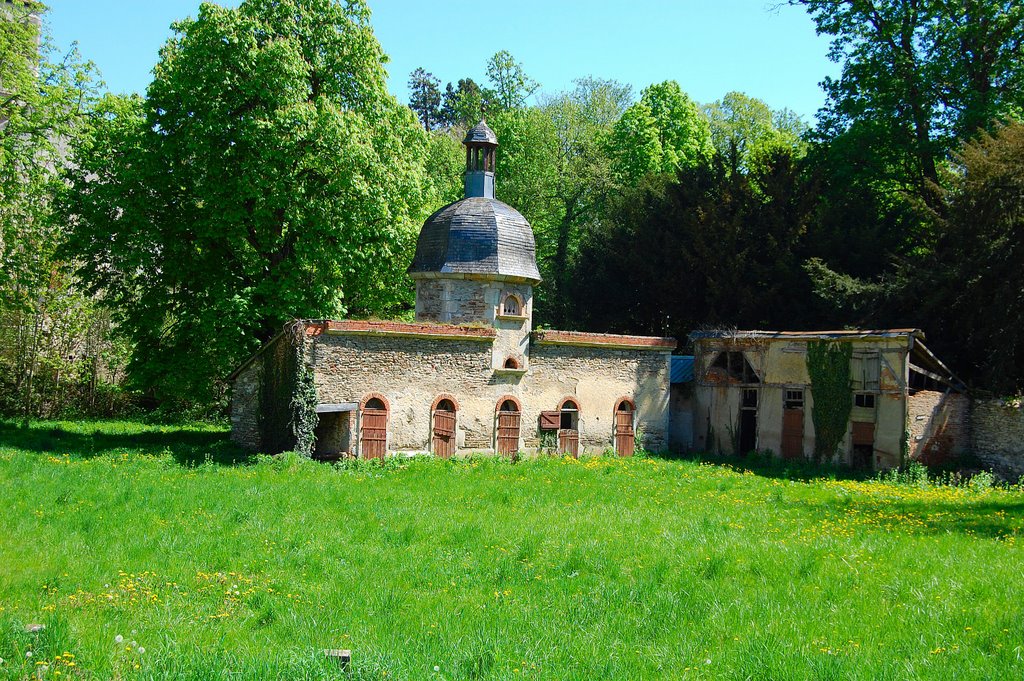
(444, 433)
(625, 438)
(375, 433)
(569, 442)
(792, 433)
(508, 432)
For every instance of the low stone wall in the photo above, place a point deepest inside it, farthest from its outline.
(939, 426)
(998, 437)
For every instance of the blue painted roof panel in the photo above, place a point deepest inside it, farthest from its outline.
(682, 369)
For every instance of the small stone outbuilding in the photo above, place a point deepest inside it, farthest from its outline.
(470, 374)
(753, 390)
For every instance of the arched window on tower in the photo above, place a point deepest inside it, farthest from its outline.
(511, 306)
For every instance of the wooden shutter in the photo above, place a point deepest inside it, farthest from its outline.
(549, 420)
(863, 433)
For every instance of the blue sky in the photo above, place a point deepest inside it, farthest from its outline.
(709, 46)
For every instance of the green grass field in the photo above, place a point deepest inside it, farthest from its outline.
(209, 565)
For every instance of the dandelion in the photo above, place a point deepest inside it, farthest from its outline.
(436, 668)
(119, 639)
(28, 653)
(141, 650)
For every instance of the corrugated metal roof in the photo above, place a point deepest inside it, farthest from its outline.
(682, 369)
(809, 335)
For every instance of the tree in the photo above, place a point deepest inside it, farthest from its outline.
(917, 76)
(425, 98)
(463, 105)
(707, 246)
(512, 87)
(972, 293)
(51, 335)
(267, 175)
(748, 128)
(662, 133)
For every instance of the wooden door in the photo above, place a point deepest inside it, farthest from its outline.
(508, 432)
(569, 442)
(444, 433)
(375, 433)
(624, 435)
(792, 433)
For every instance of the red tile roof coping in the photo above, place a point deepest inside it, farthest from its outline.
(551, 336)
(389, 328)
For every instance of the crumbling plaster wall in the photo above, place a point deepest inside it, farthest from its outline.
(781, 364)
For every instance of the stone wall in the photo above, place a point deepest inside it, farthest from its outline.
(938, 424)
(997, 437)
(412, 372)
(245, 406)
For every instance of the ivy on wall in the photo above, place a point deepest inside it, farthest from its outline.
(288, 397)
(828, 364)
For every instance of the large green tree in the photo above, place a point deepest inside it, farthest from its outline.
(267, 175)
(918, 76)
(662, 133)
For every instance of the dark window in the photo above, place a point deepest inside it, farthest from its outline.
(750, 399)
(794, 399)
(864, 400)
(569, 416)
(736, 366)
(511, 363)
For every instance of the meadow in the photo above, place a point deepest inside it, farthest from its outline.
(163, 552)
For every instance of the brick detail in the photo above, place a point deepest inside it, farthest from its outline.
(553, 337)
(939, 426)
(385, 328)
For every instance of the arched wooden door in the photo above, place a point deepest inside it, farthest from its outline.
(509, 418)
(443, 442)
(625, 436)
(374, 440)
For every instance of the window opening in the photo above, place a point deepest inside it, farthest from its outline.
(511, 363)
(864, 400)
(794, 399)
(511, 307)
(736, 366)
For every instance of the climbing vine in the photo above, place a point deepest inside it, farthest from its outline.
(287, 395)
(303, 405)
(828, 364)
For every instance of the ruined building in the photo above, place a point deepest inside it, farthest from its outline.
(470, 374)
(754, 391)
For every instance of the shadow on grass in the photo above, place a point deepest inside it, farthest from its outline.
(768, 466)
(977, 515)
(189, 447)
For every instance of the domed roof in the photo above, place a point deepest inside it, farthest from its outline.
(480, 133)
(477, 235)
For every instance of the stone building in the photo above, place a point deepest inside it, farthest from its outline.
(753, 391)
(470, 374)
